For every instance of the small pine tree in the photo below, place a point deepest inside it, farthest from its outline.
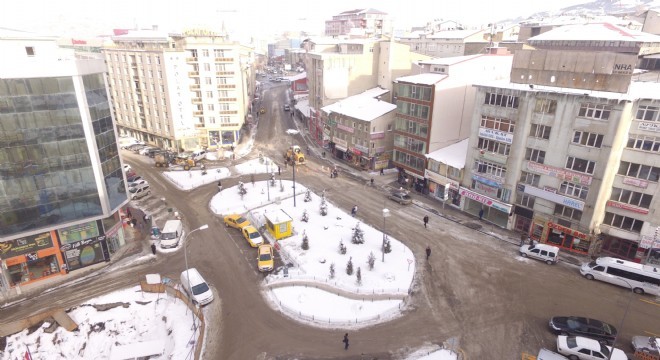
(272, 180)
(305, 216)
(308, 196)
(305, 242)
(342, 247)
(349, 266)
(332, 271)
(371, 260)
(388, 247)
(323, 208)
(358, 235)
(358, 275)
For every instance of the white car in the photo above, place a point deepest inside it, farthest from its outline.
(582, 348)
(137, 182)
(145, 150)
(127, 168)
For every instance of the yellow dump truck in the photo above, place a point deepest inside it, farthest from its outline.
(295, 154)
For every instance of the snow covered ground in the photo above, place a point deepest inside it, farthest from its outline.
(188, 180)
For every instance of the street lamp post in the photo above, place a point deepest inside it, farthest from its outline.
(623, 319)
(185, 256)
(293, 161)
(386, 213)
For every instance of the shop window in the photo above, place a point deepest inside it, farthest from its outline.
(33, 269)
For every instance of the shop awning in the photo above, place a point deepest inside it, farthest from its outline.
(453, 155)
(341, 148)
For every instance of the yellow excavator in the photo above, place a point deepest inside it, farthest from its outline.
(295, 154)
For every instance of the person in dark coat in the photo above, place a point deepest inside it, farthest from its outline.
(219, 186)
(428, 252)
(481, 214)
(426, 220)
(354, 210)
(345, 341)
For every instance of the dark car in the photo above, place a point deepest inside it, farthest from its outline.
(133, 178)
(287, 107)
(581, 326)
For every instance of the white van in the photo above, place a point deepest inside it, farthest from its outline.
(171, 234)
(199, 155)
(543, 252)
(192, 281)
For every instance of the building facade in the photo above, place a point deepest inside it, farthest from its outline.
(180, 91)
(448, 43)
(370, 21)
(61, 176)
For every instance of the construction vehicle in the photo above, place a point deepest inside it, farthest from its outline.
(162, 159)
(182, 163)
(295, 154)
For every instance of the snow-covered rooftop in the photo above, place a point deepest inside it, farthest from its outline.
(450, 60)
(374, 92)
(360, 107)
(299, 76)
(452, 155)
(303, 106)
(423, 79)
(146, 34)
(596, 31)
(637, 90)
(454, 34)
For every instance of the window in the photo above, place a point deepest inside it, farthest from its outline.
(535, 155)
(644, 143)
(647, 113)
(588, 139)
(580, 165)
(219, 67)
(208, 81)
(494, 146)
(567, 212)
(526, 200)
(595, 111)
(193, 53)
(484, 167)
(644, 172)
(411, 109)
(29, 50)
(205, 52)
(500, 124)
(529, 178)
(210, 107)
(623, 222)
(209, 94)
(207, 67)
(540, 131)
(574, 190)
(508, 101)
(225, 119)
(631, 197)
(211, 120)
(545, 106)
(160, 74)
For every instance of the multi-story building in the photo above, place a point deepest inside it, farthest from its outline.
(369, 22)
(434, 108)
(568, 151)
(450, 43)
(61, 178)
(181, 91)
(360, 129)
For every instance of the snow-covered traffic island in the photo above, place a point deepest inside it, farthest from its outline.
(334, 273)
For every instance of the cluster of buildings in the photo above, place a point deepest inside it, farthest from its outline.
(552, 131)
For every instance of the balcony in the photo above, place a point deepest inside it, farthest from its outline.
(227, 99)
(195, 87)
(226, 86)
(196, 100)
(197, 126)
(191, 60)
(193, 74)
(221, 59)
(198, 113)
(221, 73)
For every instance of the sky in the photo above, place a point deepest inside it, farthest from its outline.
(255, 16)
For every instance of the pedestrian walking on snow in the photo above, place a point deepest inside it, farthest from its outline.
(426, 220)
(345, 341)
(428, 252)
(279, 171)
(219, 186)
(354, 210)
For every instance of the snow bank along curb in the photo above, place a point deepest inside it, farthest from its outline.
(58, 314)
(323, 284)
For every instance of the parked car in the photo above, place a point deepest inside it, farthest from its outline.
(265, 261)
(138, 192)
(545, 354)
(401, 197)
(236, 221)
(646, 344)
(581, 348)
(287, 107)
(152, 152)
(137, 182)
(133, 178)
(145, 150)
(252, 235)
(136, 148)
(127, 168)
(543, 252)
(581, 326)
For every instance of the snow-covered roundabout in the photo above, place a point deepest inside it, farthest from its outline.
(340, 279)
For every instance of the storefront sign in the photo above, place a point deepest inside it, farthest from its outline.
(649, 126)
(636, 182)
(649, 242)
(561, 174)
(378, 135)
(500, 136)
(484, 189)
(628, 207)
(31, 257)
(361, 148)
(78, 232)
(355, 151)
(86, 252)
(556, 198)
(81, 243)
(340, 142)
(345, 128)
(11, 248)
(485, 200)
(439, 179)
(568, 231)
(486, 181)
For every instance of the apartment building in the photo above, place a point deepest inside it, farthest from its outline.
(568, 151)
(434, 109)
(61, 186)
(180, 91)
(368, 22)
(449, 43)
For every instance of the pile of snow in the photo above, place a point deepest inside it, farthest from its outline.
(257, 166)
(188, 180)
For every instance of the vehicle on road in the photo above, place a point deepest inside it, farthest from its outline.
(543, 252)
(582, 326)
(127, 168)
(581, 348)
(196, 287)
(400, 196)
(171, 234)
(287, 107)
(265, 261)
(199, 155)
(236, 221)
(162, 159)
(646, 344)
(545, 354)
(295, 154)
(138, 192)
(640, 278)
(252, 235)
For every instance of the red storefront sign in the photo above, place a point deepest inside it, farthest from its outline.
(568, 231)
(627, 207)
